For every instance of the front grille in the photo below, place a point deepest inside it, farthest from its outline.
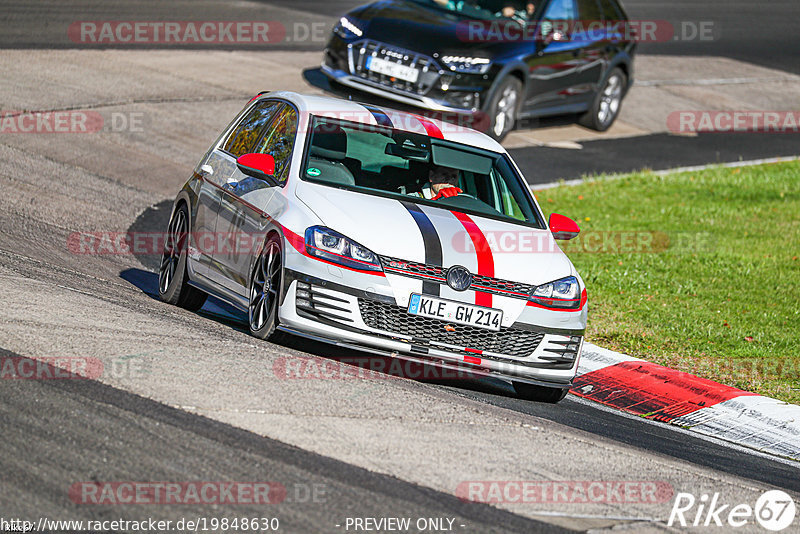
(413, 269)
(391, 318)
(501, 286)
(439, 274)
(427, 66)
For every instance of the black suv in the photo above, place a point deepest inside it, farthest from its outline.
(508, 59)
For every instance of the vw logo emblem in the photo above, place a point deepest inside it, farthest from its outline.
(459, 278)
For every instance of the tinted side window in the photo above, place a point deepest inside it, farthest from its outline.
(589, 11)
(560, 10)
(279, 141)
(242, 140)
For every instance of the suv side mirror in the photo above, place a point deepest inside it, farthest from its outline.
(562, 227)
(261, 166)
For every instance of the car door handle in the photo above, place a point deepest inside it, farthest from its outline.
(206, 171)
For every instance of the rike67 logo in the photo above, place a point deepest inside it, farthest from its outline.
(774, 511)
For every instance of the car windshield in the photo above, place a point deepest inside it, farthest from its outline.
(417, 168)
(519, 10)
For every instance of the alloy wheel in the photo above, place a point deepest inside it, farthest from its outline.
(173, 246)
(610, 100)
(264, 287)
(506, 111)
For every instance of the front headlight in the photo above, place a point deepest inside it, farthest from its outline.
(347, 29)
(332, 246)
(470, 65)
(564, 293)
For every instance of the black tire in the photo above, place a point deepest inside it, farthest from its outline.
(266, 283)
(607, 102)
(503, 109)
(535, 393)
(173, 278)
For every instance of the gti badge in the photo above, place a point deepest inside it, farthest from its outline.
(459, 278)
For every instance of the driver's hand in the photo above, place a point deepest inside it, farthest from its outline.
(447, 193)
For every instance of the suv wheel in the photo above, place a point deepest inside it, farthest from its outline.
(504, 108)
(607, 102)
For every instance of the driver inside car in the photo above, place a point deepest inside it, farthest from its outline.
(442, 183)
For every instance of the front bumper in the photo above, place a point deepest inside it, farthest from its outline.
(445, 91)
(331, 312)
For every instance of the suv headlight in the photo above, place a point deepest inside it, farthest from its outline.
(322, 242)
(470, 65)
(564, 293)
(347, 29)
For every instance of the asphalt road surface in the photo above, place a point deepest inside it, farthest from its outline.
(62, 432)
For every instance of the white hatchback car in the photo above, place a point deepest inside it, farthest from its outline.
(382, 231)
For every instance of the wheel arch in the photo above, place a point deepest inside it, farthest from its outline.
(517, 70)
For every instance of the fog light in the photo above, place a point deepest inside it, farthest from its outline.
(463, 100)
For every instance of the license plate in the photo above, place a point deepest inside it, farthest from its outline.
(395, 70)
(455, 312)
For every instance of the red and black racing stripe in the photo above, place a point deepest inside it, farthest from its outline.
(484, 253)
(384, 120)
(380, 116)
(431, 242)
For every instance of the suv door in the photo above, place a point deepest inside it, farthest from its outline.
(593, 39)
(222, 162)
(249, 203)
(555, 66)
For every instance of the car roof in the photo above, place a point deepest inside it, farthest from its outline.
(383, 116)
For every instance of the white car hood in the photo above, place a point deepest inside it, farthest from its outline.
(411, 232)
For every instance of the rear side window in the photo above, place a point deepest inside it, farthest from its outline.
(244, 137)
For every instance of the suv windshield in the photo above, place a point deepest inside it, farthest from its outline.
(414, 167)
(519, 10)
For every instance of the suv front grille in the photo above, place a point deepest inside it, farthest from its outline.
(427, 66)
(391, 318)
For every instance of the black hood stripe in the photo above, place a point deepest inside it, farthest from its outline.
(380, 116)
(431, 241)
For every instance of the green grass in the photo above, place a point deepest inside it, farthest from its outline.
(720, 295)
